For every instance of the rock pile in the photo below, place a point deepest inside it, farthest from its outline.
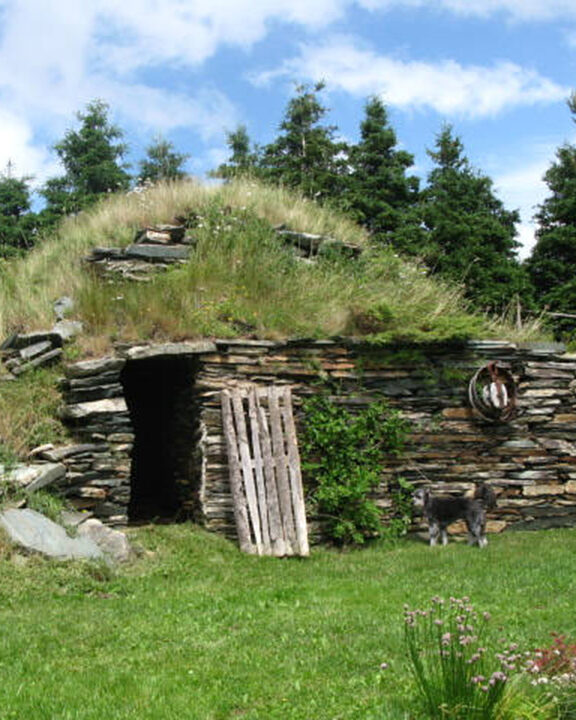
(34, 532)
(154, 249)
(309, 245)
(21, 352)
(34, 476)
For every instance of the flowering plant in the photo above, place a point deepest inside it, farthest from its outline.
(554, 668)
(459, 678)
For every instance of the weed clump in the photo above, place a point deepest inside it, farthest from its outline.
(457, 674)
(343, 454)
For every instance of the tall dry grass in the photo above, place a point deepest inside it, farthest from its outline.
(29, 286)
(240, 280)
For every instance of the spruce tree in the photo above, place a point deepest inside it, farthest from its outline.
(17, 222)
(380, 194)
(243, 159)
(162, 162)
(92, 158)
(552, 265)
(470, 234)
(306, 155)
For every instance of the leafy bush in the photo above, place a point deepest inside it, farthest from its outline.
(343, 455)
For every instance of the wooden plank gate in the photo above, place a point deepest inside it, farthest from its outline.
(265, 476)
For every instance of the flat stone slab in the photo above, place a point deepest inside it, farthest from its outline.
(85, 368)
(235, 342)
(34, 477)
(31, 351)
(158, 253)
(22, 341)
(34, 532)
(45, 359)
(141, 352)
(66, 451)
(73, 518)
(543, 347)
(95, 408)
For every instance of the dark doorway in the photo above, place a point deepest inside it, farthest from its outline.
(160, 396)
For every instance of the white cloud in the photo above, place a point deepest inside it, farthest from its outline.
(522, 10)
(527, 239)
(18, 149)
(522, 188)
(447, 87)
(57, 55)
(138, 32)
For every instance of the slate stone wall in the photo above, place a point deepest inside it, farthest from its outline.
(530, 461)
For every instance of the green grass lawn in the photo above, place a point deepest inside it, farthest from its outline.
(196, 630)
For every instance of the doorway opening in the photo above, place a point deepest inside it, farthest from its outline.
(166, 464)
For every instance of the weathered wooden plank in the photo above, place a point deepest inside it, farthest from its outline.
(259, 473)
(294, 472)
(240, 509)
(246, 464)
(281, 470)
(280, 547)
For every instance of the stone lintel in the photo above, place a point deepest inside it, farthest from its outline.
(142, 352)
(221, 343)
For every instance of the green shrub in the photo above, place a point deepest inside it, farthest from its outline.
(343, 454)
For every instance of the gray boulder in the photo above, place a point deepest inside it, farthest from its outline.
(34, 532)
(113, 543)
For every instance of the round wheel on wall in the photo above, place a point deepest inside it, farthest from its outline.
(492, 392)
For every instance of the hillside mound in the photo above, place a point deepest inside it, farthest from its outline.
(242, 277)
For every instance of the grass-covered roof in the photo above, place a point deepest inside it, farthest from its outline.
(241, 279)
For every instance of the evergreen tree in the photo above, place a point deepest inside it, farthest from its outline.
(471, 236)
(552, 265)
(162, 162)
(243, 159)
(91, 157)
(17, 222)
(305, 154)
(381, 195)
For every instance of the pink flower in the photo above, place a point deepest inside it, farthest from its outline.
(498, 676)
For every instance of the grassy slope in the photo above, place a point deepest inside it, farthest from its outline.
(241, 280)
(199, 631)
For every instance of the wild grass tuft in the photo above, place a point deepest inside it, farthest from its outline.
(29, 413)
(457, 669)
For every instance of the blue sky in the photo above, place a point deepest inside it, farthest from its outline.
(498, 70)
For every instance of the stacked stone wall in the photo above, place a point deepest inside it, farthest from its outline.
(530, 461)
